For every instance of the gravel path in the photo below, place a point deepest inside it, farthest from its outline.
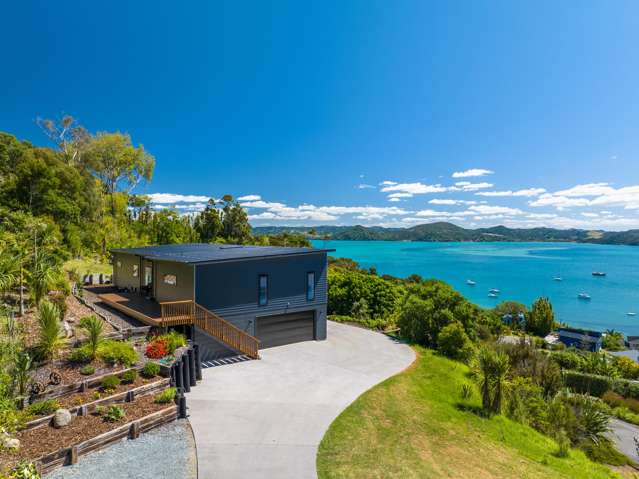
(115, 317)
(166, 452)
(623, 434)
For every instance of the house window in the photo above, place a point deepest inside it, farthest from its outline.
(119, 263)
(310, 286)
(262, 286)
(170, 279)
(135, 270)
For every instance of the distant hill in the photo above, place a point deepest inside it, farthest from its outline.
(449, 232)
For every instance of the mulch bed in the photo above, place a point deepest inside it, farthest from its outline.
(44, 440)
(78, 399)
(70, 372)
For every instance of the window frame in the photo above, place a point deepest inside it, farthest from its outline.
(259, 290)
(164, 276)
(310, 298)
(136, 271)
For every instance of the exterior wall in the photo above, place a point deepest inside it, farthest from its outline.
(123, 275)
(184, 287)
(230, 289)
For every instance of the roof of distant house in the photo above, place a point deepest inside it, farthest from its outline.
(584, 332)
(208, 253)
(632, 338)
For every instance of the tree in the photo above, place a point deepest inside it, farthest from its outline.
(235, 223)
(360, 310)
(69, 136)
(93, 327)
(454, 342)
(117, 163)
(50, 338)
(208, 223)
(613, 340)
(491, 370)
(541, 320)
(46, 274)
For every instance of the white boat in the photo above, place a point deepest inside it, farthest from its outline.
(492, 295)
(599, 273)
(631, 314)
(583, 296)
(470, 282)
(558, 278)
(494, 291)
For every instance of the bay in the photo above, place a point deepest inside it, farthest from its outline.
(522, 272)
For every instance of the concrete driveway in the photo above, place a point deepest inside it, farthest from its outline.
(265, 419)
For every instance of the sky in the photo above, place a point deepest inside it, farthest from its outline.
(350, 112)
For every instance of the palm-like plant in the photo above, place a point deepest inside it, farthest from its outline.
(491, 370)
(500, 369)
(483, 372)
(50, 336)
(20, 373)
(44, 276)
(93, 328)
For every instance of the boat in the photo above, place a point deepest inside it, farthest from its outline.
(492, 295)
(599, 273)
(583, 296)
(494, 291)
(470, 282)
(631, 314)
(558, 278)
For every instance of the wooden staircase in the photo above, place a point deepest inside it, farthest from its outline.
(188, 312)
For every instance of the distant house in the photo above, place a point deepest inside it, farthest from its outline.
(581, 338)
(514, 319)
(631, 354)
(633, 342)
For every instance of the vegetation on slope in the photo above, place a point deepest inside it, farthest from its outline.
(415, 425)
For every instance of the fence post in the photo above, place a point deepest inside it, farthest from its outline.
(198, 363)
(179, 377)
(181, 400)
(186, 380)
(191, 358)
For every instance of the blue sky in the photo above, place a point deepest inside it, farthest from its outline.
(352, 111)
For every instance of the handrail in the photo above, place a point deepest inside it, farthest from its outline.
(182, 312)
(226, 332)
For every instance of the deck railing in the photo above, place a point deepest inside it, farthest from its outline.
(176, 313)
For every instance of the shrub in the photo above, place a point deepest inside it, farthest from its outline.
(563, 444)
(628, 368)
(150, 370)
(50, 338)
(466, 391)
(157, 348)
(43, 408)
(81, 354)
(585, 383)
(117, 352)
(87, 370)
(628, 389)
(114, 414)
(93, 327)
(615, 400)
(568, 359)
(166, 396)
(129, 376)
(173, 340)
(109, 383)
(454, 342)
(25, 470)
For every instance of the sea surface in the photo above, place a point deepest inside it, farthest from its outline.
(522, 272)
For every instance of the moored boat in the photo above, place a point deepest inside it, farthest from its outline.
(599, 273)
(470, 282)
(583, 296)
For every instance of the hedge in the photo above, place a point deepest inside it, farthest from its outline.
(584, 383)
(626, 387)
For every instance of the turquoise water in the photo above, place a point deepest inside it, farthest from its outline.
(522, 271)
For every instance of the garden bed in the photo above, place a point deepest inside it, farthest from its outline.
(46, 440)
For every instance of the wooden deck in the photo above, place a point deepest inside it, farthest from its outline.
(134, 305)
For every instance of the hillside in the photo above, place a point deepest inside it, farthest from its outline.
(449, 232)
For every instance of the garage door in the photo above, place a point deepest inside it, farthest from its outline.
(285, 329)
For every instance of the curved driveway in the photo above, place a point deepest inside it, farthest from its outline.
(265, 419)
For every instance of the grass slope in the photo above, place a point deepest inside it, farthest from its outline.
(410, 426)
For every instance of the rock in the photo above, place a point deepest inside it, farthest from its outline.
(61, 418)
(8, 442)
(68, 330)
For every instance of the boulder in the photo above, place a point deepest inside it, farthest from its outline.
(8, 442)
(61, 418)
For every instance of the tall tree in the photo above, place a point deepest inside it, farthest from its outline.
(235, 225)
(541, 319)
(117, 163)
(208, 223)
(69, 136)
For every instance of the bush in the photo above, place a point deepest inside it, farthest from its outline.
(113, 414)
(628, 389)
(93, 327)
(454, 342)
(117, 352)
(585, 383)
(568, 359)
(43, 408)
(173, 341)
(466, 391)
(25, 470)
(166, 396)
(129, 376)
(157, 349)
(628, 368)
(615, 400)
(110, 383)
(87, 370)
(150, 370)
(50, 337)
(81, 354)
(563, 444)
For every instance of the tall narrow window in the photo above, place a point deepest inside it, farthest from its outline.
(262, 295)
(135, 270)
(310, 286)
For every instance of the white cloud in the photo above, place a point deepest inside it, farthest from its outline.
(412, 188)
(394, 200)
(590, 189)
(468, 186)
(590, 215)
(170, 198)
(364, 186)
(400, 195)
(439, 201)
(250, 198)
(496, 210)
(559, 202)
(528, 192)
(473, 172)
(388, 183)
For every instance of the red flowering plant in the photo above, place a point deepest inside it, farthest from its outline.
(158, 348)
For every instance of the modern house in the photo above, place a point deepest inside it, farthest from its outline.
(246, 297)
(581, 338)
(632, 342)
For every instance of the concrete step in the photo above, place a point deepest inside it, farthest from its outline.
(225, 361)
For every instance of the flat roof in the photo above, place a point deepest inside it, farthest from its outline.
(193, 253)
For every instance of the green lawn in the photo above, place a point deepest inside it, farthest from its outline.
(411, 426)
(86, 266)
